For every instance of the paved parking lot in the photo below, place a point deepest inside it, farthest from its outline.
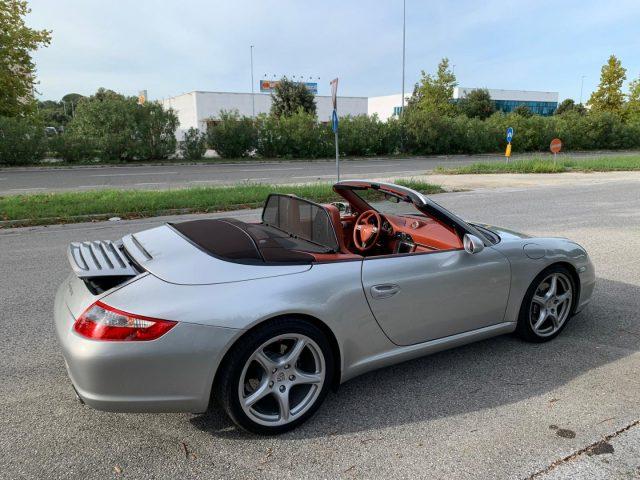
(496, 409)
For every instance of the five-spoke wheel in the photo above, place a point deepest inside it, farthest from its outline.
(282, 379)
(276, 377)
(547, 305)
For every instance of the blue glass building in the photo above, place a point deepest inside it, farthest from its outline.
(540, 103)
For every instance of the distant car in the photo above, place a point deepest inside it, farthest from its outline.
(266, 317)
(50, 131)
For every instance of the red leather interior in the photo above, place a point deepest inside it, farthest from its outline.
(426, 232)
(429, 234)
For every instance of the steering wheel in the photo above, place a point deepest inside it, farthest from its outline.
(367, 230)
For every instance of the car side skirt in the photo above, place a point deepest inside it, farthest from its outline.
(401, 354)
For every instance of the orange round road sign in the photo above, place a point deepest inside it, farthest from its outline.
(556, 145)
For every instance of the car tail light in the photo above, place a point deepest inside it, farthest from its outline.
(102, 322)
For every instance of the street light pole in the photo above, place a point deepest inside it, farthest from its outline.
(404, 22)
(581, 86)
(253, 100)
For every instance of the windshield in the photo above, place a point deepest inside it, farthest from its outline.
(300, 218)
(386, 202)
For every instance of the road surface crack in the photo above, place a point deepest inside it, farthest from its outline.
(593, 449)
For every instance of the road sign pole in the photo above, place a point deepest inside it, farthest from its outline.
(507, 153)
(334, 121)
(337, 157)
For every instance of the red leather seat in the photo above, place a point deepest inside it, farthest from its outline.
(334, 215)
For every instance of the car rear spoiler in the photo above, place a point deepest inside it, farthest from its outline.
(99, 259)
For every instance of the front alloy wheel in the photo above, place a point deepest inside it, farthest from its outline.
(547, 305)
(551, 304)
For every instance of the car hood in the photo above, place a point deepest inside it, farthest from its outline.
(167, 255)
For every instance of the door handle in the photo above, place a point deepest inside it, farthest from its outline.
(385, 290)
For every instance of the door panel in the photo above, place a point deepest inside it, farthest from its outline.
(416, 298)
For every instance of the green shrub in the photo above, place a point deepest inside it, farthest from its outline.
(122, 130)
(362, 135)
(193, 145)
(233, 136)
(295, 136)
(155, 132)
(22, 141)
(72, 148)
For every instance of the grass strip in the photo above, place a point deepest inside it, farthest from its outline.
(67, 207)
(539, 165)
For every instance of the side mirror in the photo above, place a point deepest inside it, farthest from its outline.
(472, 244)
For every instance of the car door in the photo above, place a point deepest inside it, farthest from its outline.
(425, 296)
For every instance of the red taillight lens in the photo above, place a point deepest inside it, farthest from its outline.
(102, 322)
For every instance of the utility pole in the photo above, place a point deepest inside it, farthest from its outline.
(404, 22)
(581, 87)
(253, 100)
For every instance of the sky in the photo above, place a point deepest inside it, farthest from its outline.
(172, 47)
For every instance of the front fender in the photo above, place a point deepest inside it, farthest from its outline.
(530, 256)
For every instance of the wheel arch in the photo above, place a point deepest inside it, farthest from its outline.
(333, 341)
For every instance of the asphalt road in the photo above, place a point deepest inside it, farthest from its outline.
(35, 180)
(500, 408)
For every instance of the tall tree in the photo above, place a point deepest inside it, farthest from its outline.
(609, 97)
(434, 93)
(289, 97)
(17, 70)
(477, 104)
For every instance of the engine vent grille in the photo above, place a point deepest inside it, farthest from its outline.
(99, 259)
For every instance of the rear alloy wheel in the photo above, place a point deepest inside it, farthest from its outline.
(547, 305)
(277, 377)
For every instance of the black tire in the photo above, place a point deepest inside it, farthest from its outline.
(229, 375)
(524, 329)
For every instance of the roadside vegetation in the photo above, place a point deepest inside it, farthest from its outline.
(539, 165)
(42, 209)
(108, 127)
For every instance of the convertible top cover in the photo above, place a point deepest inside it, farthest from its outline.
(257, 244)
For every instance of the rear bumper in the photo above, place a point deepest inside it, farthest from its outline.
(171, 374)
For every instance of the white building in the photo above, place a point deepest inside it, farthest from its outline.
(387, 106)
(195, 109)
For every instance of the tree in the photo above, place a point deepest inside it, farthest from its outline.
(569, 105)
(477, 104)
(434, 93)
(523, 111)
(609, 97)
(632, 108)
(17, 70)
(289, 97)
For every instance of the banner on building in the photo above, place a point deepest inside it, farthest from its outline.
(268, 86)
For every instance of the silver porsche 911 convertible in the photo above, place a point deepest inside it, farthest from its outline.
(266, 317)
